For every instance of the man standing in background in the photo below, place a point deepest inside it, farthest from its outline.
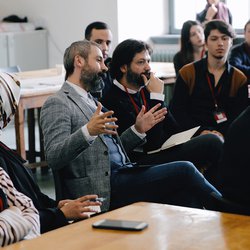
(100, 33)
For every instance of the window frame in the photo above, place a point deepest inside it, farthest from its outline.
(174, 30)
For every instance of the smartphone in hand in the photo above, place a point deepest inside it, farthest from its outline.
(128, 225)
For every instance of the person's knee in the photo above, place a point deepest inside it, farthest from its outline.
(190, 174)
(215, 140)
(188, 167)
(213, 144)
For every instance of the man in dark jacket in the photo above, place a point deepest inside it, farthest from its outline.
(240, 53)
(130, 67)
(211, 92)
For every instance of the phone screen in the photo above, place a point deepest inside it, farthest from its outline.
(121, 225)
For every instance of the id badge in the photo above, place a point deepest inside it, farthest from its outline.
(220, 116)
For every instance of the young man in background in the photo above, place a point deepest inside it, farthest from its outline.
(100, 33)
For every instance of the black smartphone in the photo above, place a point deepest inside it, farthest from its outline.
(120, 225)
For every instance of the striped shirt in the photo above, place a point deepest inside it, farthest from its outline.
(21, 219)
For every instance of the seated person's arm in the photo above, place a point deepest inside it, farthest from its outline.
(79, 208)
(236, 59)
(211, 12)
(20, 220)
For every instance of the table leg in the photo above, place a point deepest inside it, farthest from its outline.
(19, 127)
(44, 170)
(31, 135)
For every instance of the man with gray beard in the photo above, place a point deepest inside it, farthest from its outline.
(87, 156)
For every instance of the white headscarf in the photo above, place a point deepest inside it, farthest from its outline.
(9, 97)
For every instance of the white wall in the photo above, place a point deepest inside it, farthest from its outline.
(141, 19)
(66, 20)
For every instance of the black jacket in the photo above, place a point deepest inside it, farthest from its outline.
(50, 216)
(234, 171)
(119, 101)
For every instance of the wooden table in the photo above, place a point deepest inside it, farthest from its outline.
(169, 228)
(28, 100)
(165, 71)
(36, 87)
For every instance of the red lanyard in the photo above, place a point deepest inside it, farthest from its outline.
(212, 91)
(133, 101)
(203, 52)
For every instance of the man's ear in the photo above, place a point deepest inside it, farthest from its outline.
(124, 68)
(206, 46)
(79, 61)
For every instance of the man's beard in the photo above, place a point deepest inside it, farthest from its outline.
(135, 79)
(92, 81)
(217, 57)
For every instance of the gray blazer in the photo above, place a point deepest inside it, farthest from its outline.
(79, 168)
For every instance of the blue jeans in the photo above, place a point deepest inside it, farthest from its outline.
(203, 150)
(176, 183)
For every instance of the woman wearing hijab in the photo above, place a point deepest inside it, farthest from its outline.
(19, 218)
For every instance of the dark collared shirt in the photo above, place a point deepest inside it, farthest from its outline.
(193, 104)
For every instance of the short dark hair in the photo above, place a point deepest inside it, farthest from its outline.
(95, 25)
(220, 25)
(124, 54)
(245, 27)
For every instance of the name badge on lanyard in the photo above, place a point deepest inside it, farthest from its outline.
(220, 116)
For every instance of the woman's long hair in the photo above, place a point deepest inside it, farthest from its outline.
(187, 49)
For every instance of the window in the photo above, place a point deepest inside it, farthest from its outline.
(181, 11)
(240, 10)
(140, 19)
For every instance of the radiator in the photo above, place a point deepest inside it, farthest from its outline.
(164, 47)
(163, 55)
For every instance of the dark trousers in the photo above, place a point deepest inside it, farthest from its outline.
(203, 151)
(177, 183)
